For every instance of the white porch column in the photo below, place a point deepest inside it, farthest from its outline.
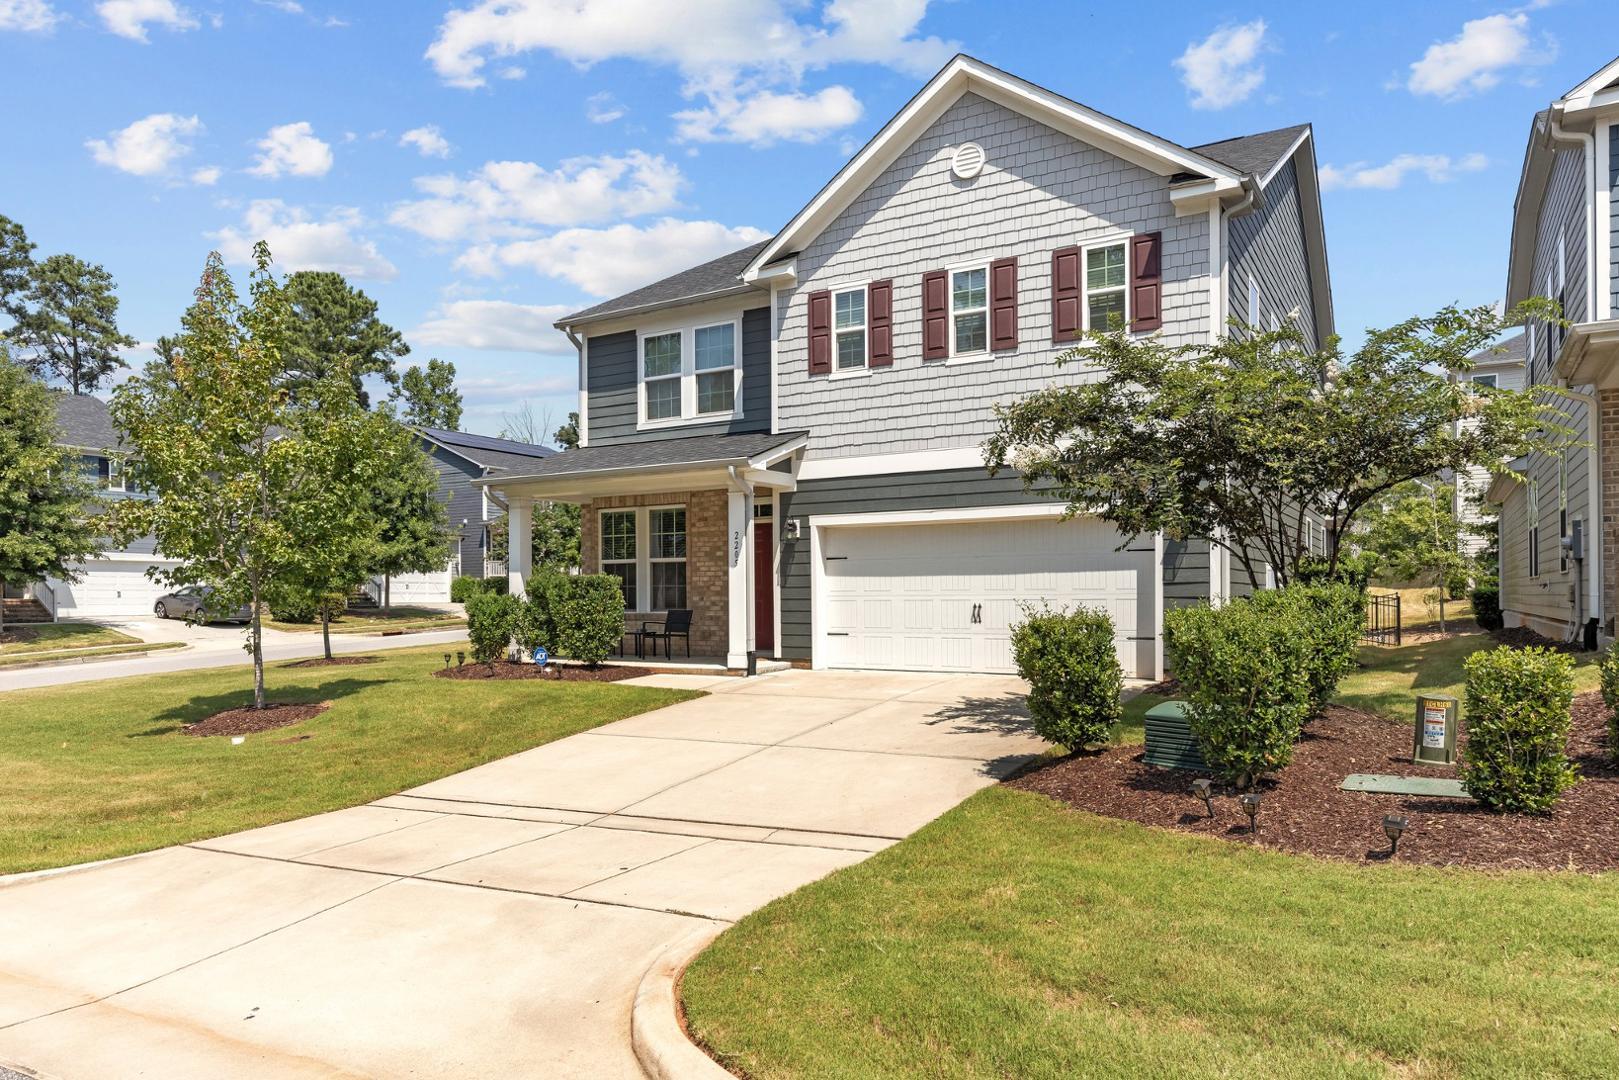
(738, 561)
(519, 543)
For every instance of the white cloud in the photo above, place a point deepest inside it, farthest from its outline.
(494, 324)
(292, 149)
(1473, 60)
(1222, 69)
(130, 18)
(207, 176)
(1438, 168)
(603, 108)
(726, 52)
(769, 117)
(605, 262)
(427, 140)
(506, 198)
(291, 7)
(300, 241)
(30, 16)
(149, 147)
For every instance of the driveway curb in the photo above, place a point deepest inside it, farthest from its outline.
(660, 1045)
(25, 876)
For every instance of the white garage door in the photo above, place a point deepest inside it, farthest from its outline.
(109, 587)
(943, 597)
(418, 588)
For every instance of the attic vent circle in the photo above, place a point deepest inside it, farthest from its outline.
(968, 161)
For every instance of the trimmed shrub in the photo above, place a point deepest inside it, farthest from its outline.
(294, 606)
(1517, 713)
(1487, 607)
(541, 609)
(1609, 670)
(591, 623)
(491, 619)
(1072, 667)
(1245, 674)
(463, 588)
(1332, 616)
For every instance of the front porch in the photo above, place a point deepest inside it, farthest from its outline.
(684, 524)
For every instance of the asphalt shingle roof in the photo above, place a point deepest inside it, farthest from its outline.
(1513, 348)
(499, 455)
(692, 450)
(716, 275)
(85, 422)
(1253, 153)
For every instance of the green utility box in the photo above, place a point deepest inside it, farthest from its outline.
(1169, 739)
(1433, 742)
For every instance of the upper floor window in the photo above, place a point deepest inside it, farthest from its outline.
(969, 311)
(849, 326)
(1105, 287)
(115, 474)
(690, 374)
(1253, 304)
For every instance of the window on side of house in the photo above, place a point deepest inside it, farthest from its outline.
(969, 311)
(666, 535)
(115, 473)
(1254, 314)
(1533, 499)
(660, 375)
(618, 551)
(849, 328)
(1485, 382)
(715, 352)
(1105, 299)
(1562, 511)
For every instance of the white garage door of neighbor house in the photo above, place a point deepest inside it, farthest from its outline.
(109, 588)
(944, 597)
(419, 588)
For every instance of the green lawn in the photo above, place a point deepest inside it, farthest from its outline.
(30, 658)
(46, 637)
(1419, 611)
(368, 621)
(101, 769)
(1016, 938)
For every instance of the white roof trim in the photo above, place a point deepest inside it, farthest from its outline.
(1264, 181)
(1315, 239)
(1583, 96)
(961, 75)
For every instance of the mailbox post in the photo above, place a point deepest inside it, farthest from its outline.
(1434, 740)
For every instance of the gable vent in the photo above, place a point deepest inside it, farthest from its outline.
(968, 161)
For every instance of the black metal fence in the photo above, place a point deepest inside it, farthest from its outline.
(1383, 619)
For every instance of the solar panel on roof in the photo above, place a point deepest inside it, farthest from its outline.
(488, 442)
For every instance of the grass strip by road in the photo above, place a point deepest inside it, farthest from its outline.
(30, 659)
(1015, 937)
(101, 769)
(47, 637)
(380, 621)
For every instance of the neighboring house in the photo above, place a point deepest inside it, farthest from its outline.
(786, 440)
(1497, 368)
(1564, 246)
(463, 461)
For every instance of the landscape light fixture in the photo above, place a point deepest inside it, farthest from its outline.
(460, 658)
(447, 658)
(1201, 788)
(1250, 806)
(1393, 826)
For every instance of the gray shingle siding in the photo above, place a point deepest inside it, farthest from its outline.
(610, 374)
(1268, 245)
(1040, 190)
(1186, 572)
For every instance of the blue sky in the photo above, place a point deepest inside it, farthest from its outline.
(481, 168)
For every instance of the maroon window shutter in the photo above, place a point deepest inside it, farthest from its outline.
(820, 333)
(1066, 294)
(880, 324)
(1146, 282)
(1003, 304)
(935, 316)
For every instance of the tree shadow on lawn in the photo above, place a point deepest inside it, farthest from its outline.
(206, 705)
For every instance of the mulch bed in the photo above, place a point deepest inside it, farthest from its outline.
(336, 661)
(1521, 637)
(248, 720)
(1305, 811)
(505, 669)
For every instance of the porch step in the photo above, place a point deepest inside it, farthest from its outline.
(25, 611)
(360, 600)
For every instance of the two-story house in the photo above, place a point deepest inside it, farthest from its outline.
(1559, 548)
(1496, 368)
(786, 440)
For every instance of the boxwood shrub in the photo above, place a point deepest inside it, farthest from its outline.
(462, 588)
(591, 623)
(1331, 615)
(491, 621)
(1609, 670)
(1245, 671)
(1487, 607)
(1069, 660)
(1517, 720)
(542, 610)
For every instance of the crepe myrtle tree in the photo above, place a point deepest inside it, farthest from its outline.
(247, 485)
(1236, 441)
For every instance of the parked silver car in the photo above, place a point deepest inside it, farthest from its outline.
(191, 603)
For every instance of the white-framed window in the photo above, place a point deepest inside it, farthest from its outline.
(849, 329)
(1533, 499)
(1485, 382)
(1106, 296)
(619, 551)
(666, 553)
(689, 374)
(115, 473)
(1254, 314)
(1562, 510)
(969, 311)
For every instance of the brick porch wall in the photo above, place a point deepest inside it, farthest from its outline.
(1608, 402)
(706, 586)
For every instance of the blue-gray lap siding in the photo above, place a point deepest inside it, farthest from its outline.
(1186, 566)
(463, 501)
(1269, 245)
(1613, 212)
(613, 400)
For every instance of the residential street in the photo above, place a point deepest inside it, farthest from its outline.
(208, 646)
(496, 922)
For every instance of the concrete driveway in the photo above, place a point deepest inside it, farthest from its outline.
(495, 922)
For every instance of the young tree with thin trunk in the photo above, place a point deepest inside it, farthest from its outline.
(69, 328)
(44, 496)
(413, 535)
(1416, 537)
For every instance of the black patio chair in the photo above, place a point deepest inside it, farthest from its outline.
(677, 623)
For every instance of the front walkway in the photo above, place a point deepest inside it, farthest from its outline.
(496, 922)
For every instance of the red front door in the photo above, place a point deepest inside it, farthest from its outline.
(764, 587)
